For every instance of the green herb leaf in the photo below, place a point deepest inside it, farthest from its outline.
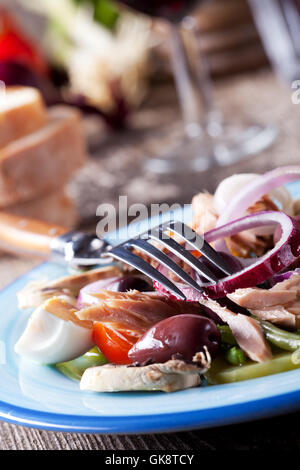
(106, 13)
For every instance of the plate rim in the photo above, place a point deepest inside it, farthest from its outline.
(145, 424)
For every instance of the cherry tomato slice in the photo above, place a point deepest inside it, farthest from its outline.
(114, 344)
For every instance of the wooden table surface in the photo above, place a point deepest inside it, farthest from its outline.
(114, 169)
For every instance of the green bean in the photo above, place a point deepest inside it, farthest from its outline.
(226, 335)
(75, 368)
(221, 373)
(235, 356)
(281, 338)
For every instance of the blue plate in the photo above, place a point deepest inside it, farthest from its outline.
(39, 396)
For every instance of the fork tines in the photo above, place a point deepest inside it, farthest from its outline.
(161, 234)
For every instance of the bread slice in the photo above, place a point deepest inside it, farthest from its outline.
(44, 160)
(56, 208)
(22, 111)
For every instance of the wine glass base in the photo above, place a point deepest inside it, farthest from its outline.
(185, 156)
(236, 144)
(200, 154)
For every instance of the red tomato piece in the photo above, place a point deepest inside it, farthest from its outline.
(114, 344)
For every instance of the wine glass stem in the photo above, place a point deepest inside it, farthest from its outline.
(202, 73)
(194, 86)
(212, 116)
(187, 93)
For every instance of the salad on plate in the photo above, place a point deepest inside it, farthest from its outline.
(113, 329)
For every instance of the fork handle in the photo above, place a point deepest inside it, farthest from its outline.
(27, 236)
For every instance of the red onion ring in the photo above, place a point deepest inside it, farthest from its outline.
(284, 253)
(253, 191)
(283, 276)
(86, 297)
(257, 188)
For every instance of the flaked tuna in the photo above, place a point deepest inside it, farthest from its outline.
(279, 305)
(246, 331)
(205, 215)
(134, 309)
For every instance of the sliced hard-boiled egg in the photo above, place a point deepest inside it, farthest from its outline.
(48, 339)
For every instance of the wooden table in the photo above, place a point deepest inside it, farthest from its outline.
(115, 169)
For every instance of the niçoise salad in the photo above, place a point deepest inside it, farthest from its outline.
(112, 329)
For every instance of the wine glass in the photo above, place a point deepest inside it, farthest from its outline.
(278, 22)
(209, 141)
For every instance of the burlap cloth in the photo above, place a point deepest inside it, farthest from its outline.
(114, 169)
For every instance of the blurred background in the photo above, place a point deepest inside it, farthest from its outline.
(114, 65)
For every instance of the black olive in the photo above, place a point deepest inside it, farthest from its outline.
(182, 334)
(127, 283)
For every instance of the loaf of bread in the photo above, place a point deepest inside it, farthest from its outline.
(22, 111)
(55, 208)
(44, 160)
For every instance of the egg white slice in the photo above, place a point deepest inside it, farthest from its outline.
(48, 339)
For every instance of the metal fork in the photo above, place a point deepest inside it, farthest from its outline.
(22, 235)
(160, 233)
